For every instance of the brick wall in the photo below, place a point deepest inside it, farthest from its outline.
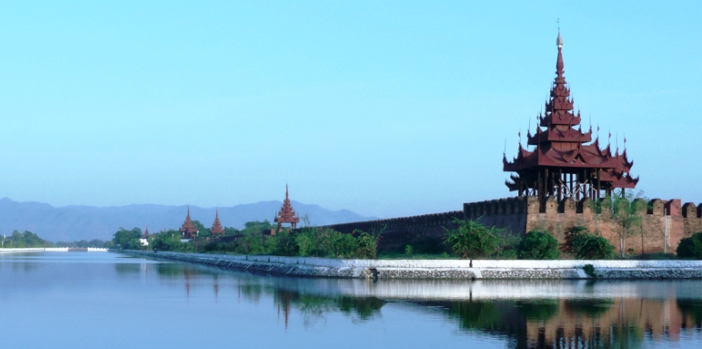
(692, 216)
(519, 215)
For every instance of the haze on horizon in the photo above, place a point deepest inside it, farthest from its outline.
(387, 109)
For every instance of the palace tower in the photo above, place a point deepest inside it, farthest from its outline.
(188, 229)
(287, 213)
(217, 229)
(564, 162)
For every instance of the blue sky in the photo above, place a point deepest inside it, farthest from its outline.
(386, 108)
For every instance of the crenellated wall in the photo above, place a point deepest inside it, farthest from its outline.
(665, 223)
(559, 217)
(424, 233)
(692, 218)
(510, 214)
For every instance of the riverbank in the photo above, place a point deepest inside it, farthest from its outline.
(440, 269)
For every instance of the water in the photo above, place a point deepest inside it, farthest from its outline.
(105, 300)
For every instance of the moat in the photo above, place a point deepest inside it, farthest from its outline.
(84, 300)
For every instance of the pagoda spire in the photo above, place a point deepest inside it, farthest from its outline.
(188, 229)
(217, 226)
(287, 213)
(559, 61)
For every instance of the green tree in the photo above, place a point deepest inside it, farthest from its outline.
(538, 245)
(625, 212)
(127, 239)
(690, 247)
(169, 241)
(366, 245)
(285, 244)
(472, 240)
(229, 231)
(202, 231)
(584, 245)
(306, 242)
(576, 239)
(595, 247)
(325, 242)
(24, 239)
(258, 226)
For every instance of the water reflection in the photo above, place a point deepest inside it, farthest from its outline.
(558, 314)
(517, 314)
(313, 307)
(691, 310)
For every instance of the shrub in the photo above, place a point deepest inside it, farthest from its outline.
(254, 243)
(306, 243)
(366, 245)
(508, 254)
(538, 245)
(691, 247)
(584, 245)
(589, 269)
(408, 250)
(576, 239)
(285, 244)
(341, 245)
(170, 241)
(595, 247)
(472, 239)
(318, 242)
(508, 245)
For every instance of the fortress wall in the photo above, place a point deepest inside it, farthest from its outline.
(561, 217)
(424, 233)
(692, 216)
(509, 214)
(519, 215)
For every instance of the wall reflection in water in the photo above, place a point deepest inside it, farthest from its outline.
(578, 323)
(570, 315)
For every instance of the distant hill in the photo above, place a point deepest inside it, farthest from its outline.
(72, 223)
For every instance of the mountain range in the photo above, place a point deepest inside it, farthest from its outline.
(73, 223)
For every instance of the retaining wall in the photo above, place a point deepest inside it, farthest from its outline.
(47, 249)
(438, 269)
(21, 250)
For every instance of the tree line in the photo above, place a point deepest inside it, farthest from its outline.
(28, 239)
(468, 239)
(256, 238)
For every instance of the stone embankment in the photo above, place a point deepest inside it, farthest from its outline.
(439, 269)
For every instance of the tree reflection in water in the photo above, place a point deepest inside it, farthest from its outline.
(691, 310)
(313, 307)
(567, 322)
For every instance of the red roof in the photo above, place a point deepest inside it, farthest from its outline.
(559, 144)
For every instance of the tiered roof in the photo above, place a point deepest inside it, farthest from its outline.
(287, 213)
(559, 144)
(188, 229)
(217, 226)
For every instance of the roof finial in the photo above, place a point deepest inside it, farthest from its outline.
(559, 40)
